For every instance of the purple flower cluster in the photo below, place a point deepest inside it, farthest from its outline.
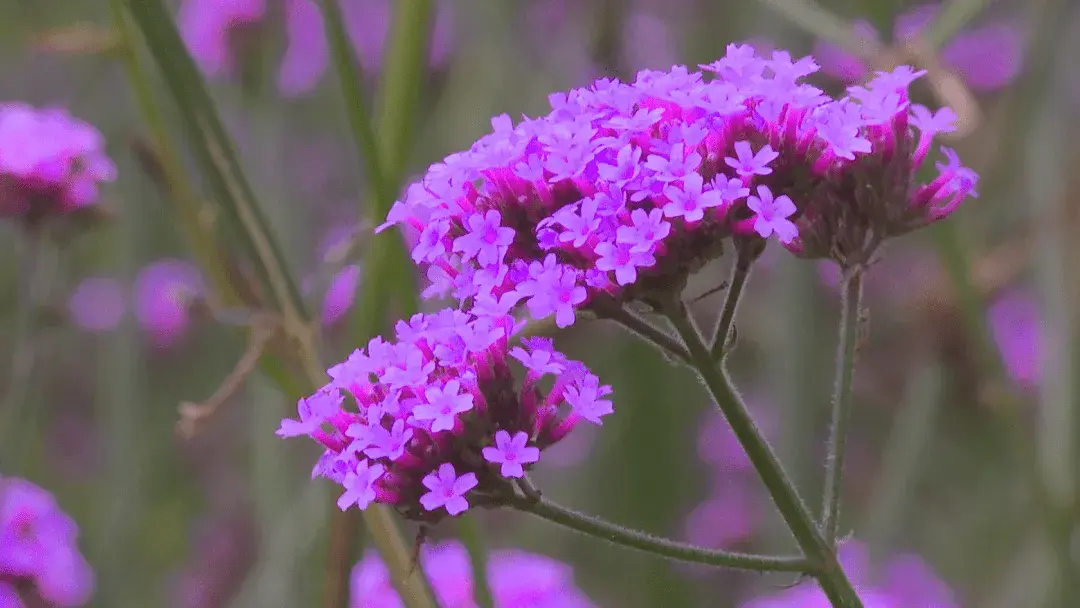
(988, 57)
(517, 579)
(905, 581)
(40, 563)
(210, 28)
(439, 423)
(624, 189)
(50, 162)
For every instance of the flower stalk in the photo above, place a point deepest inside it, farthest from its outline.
(740, 273)
(834, 582)
(851, 302)
(634, 539)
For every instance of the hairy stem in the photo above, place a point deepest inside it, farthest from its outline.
(650, 333)
(740, 272)
(829, 574)
(841, 403)
(634, 539)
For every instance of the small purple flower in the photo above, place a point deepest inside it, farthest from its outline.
(97, 304)
(586, 400)
(313, 411)
(772, 215)
(388, 444)
(443, 405)
(486, 240)
(646, 229)
(511, 453)
(447, 490)
(689, 201)
(359, 485)
(622, 259)
(164, 292)
(747, 163)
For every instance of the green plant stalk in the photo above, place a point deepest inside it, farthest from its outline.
(186, 204)
(740, 273)
(218, 160)
(851, 302)
(473, 538)
(834, 582)
(625, 537)
(350, 78)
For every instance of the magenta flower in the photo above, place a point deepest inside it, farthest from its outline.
(517, 579)
(210, 28)
(39, 559)
(727, 518)
(439, 409)
(164, 293)
(1015, 323)
(772, 215)
(50, 162)
(902, 581)
(747, 163)
(447, 490)
(511, 453)
(341, 294)
(97, 304)
(987, 57)
(360, 485)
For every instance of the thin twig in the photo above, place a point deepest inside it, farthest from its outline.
(740, 272)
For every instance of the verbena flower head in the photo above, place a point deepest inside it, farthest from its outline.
(517, 579)
(436, 423)
(164, 293)
(622, 190)
(211, 29)
(50, 162)
(904, 581)
(39, 558)
(987, 57)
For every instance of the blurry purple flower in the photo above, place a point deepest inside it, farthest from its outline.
(517, 579)
(988, 57)
(1015, 323)
(208, 25)
(904, 581)
(50, 162)
(727, 518)
(341, 294)
(718, 446)
(38, 551)
(97, 304)
(164, 292)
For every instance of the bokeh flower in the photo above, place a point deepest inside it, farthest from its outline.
(559, 212)
(50, 162)
(988, 57)
(430, 407)
(517, 580)
(210, 29)
(164, 293)
(1016, 326)
(904, 581)
(39, 558)
(97, 304)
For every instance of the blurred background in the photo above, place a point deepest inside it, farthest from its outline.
(966, 407)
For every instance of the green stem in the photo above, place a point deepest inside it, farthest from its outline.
(350, 78)
(618, 535)
(740, 272)
(651, 334)
(822, 23)
(953, 16)
(473, 538)
(841, 402)
(38, 272)
(830, 575)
